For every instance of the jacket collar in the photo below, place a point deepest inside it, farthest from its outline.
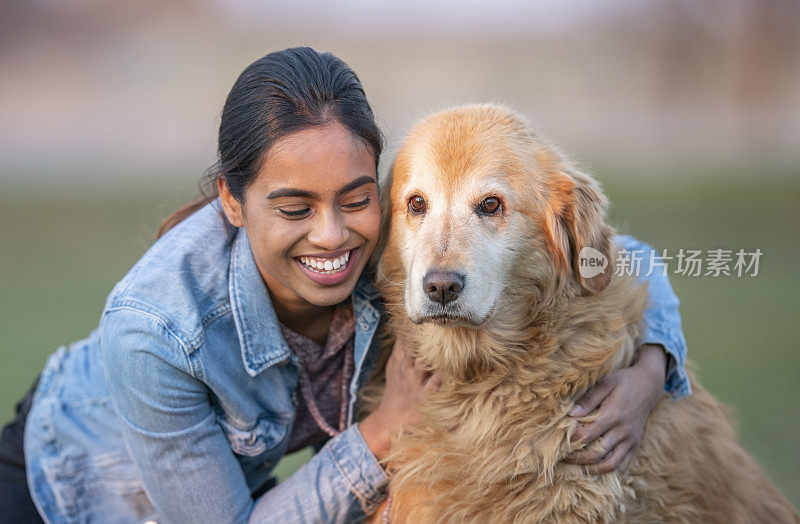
(256, 323)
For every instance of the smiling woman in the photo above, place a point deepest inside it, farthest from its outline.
(232, 341)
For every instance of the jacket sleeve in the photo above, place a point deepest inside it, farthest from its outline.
(188, 468)
(342, 483)
(661, 318)
(186, 463)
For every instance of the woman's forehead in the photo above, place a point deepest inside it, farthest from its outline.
(319, 159)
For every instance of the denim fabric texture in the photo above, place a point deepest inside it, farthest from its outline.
(179, 405)
(662, 320)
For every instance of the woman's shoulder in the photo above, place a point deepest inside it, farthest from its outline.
(183, 277)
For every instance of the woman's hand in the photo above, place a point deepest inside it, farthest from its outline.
(624, 399)
(406, 386)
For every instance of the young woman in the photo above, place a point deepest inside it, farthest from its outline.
(245, 332)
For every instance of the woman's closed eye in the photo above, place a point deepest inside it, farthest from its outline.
(294, 212)
(357, 205)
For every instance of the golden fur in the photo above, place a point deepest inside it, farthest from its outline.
(492, 440)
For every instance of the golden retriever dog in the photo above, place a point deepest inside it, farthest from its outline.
(481, 276)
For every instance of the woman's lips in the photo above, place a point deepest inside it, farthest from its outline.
(325, 276)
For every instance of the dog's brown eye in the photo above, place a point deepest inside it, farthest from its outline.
(417, 204)
(490, 205)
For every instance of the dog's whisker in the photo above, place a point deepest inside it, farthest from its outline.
(386, 277)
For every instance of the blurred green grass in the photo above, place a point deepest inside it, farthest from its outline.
(63, 249)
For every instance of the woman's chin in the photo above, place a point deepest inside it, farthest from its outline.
(324, 295)
(329, 297)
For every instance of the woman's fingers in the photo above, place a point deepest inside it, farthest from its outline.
(593, 398)
(420, 373)
(433, 383)
(410, 365)
(399, 348)
(403, 363)
(410, 379)
(595, 452)
(625, 465)
(391, 366)
(607, 418)
(613, 459)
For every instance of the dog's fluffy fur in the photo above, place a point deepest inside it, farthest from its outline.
(531, 338)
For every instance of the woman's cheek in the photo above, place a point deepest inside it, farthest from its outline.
(375, 224)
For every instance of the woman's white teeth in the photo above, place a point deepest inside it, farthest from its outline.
(326, 265)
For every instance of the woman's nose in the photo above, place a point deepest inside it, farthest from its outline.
(329, 231)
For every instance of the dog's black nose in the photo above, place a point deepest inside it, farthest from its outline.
(443, 286)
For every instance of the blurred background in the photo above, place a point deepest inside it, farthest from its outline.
(687, 112)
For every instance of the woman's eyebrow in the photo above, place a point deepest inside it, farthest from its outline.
(289, 192)
(358, 182)
(302, 193)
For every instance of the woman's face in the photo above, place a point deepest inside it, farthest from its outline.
(312, 215)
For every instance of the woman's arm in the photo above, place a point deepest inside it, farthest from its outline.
(185, 460)
(626, 397)
(188, 468)
(342, 483)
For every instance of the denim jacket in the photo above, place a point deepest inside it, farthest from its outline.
(178, 407)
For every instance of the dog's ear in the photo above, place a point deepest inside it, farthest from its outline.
(581, 213)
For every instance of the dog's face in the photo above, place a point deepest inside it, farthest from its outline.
(480, 208)
(457, 228)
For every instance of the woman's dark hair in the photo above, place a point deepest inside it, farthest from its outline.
(282, 93)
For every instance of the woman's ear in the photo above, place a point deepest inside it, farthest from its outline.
(231, 206)
(581, 216)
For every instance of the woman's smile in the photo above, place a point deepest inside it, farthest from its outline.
(328, 269)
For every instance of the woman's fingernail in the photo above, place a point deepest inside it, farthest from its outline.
(576, 410)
